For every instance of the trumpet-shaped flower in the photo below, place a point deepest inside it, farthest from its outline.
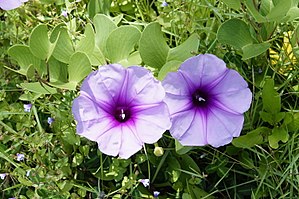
(11, 4)
(121, 109)
(206, 101)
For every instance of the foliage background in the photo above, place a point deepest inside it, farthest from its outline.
(259, 39)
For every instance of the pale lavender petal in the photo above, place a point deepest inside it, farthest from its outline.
(189, 128)
(130, 144)
(178, 103)
(92, 120)
(222, 126)
(232, 93)
(142, 88)
(110, 141)
(10, 4)
(176, 84)
(104, 85)
(202, 70)
(151, 123)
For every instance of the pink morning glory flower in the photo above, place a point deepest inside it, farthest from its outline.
(121, 109)
(145, 182)
(2, 176)
(11, 4)
(206, 101)
(20, 157)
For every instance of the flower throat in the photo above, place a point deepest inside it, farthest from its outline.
(199, 98)
(122, 115)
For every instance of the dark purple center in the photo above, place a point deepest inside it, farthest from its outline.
(199, 98)
(122, 114)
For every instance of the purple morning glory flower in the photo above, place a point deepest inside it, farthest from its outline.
(20, 156)
(206, 101)
(11, 4)
(164, 4)
(27, 107)
(64, 13)
(156, 194)
(121, 109)
(50, 120)
(2, 176)
(145, 182)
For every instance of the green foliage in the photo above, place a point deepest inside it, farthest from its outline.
(45, 57)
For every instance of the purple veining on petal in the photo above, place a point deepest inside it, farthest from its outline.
(121, 109)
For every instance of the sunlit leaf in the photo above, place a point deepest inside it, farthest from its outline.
(235, 32)
(121, 42)
(39, 42)
(152, 47)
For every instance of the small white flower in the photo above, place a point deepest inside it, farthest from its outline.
(20, 157)
(145, 182)
(2, 176)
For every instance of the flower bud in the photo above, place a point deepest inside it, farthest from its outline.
(158, 151)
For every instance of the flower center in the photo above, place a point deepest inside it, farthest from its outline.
(122, 114)
(199, 98)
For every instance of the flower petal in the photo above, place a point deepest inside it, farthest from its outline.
(232, 93)
(142, 85)
(203, 70)
(189, 128)
(177, 103)
(175, 84)
(130, 144)
(152, 122)
(10, 4)
(222, 126)
(105, 84)
(92, 120)
(110, 141)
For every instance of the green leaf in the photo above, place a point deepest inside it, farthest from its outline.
(39, 42)
(180, 149)
(63, 49)
(79, 67)
(38, 87)
(97, 58)
(254, 12)
(152, 47)
(251, 139)
(87, 42)
(253, 50)
(58, 70)
(185, 50)
(171, 66)
(71, 138)
(103, 27)
(234, 4)
(25, 182)
(173, 168)
(24, 57)
(188, 164)
(197, 193)
(234, 32)
(121, 42)
(292, 14)
(98, 6)
(271, 99)
(278, 134)
(279, 11)
(63, 85)
(133, 59)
